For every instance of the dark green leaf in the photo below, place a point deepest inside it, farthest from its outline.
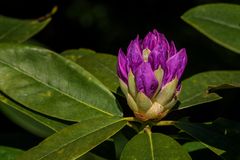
(74, 141)
(8, 153)
(32, 121)
(156, 146)
(17, 31)
(76, 54)
(232, 130)
(119, 142)
(193, 146)
(91, 156)
(219, 22)
(196, 145)
(195, 90)
(50, 84)
(103, 66)
(216, 138)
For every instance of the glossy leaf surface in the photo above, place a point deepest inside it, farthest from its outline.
(34, 122)
(156, 146)
(48, 83)
(102, 66)
(76, 140)
(219, 22)
(196, 89)
(8, 153)
(17, 31)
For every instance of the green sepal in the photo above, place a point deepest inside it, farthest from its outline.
(159, 76)
(123, 87)
(155, 111)
(131, 103)
(167, 93)
(145, 54)
(143, 102)
(171, 103)
(132, 84)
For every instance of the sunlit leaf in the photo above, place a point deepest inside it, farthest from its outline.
(30, 120)
(219, 22)
(196, 89)
(17, 31)
(102, 66)
(8, 153)
(155, 146)
(50, 84)
(74, 141)
(91, 156)
(76, 54)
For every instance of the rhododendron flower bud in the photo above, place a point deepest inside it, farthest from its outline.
(149, 75)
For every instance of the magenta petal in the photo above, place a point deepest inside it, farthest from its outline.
(183, 58)
(146, 81)
(150, 41)
(122, 66)
(172, 49)
(162, 40)
(134, 55)
(176, 65)
(158, 57)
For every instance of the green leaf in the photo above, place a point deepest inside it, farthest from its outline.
(8, 153)
(91, 156)
(196, 89)
(221, 138)
(193, 146)
(196, 146)
(119, 142)
(102, 66)
(50, 84)
(76, 140)
(17, 31)
(76, 54)
(219, 22)
(34, 122)
(155, 146)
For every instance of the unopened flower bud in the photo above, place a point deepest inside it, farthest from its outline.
(149, 75)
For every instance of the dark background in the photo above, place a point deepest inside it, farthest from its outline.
(105, 26)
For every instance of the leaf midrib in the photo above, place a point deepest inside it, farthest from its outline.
(76, 139)
(52, 87)
(217, 22)
(151, 145)
(29, 115)
(10, 30)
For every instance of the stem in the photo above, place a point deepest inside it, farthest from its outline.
(147, 129)
(132, 119)
(133, 126)
(165, 123)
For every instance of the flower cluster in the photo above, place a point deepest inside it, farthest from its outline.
(149, 75)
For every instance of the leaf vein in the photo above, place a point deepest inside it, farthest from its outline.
(52, 87)
(79, 138)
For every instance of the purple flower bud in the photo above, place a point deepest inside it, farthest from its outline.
(149, 75)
